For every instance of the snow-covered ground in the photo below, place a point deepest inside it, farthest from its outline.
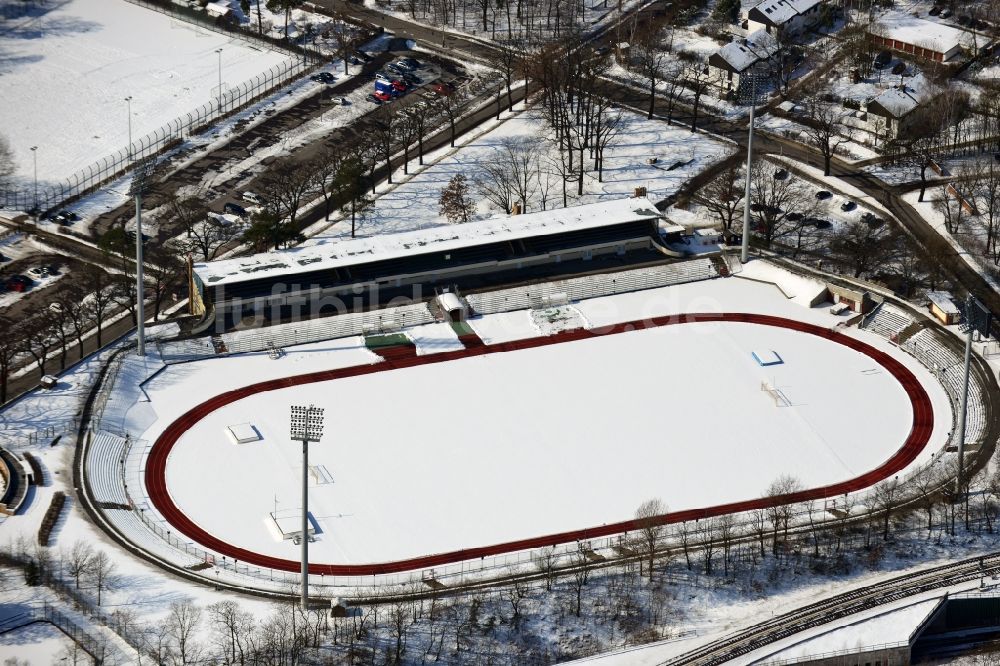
(38, 643)
(67, 69)
(401, 413)
(413, 203)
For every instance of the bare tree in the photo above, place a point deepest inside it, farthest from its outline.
(723, 196)
(285, 186)
(7, 165)
(10, 347)
(183, 621)
(825, 128)
(79, 561)
(384, 128)
(649, 56)
(862, 247)
(728, 532)
(581, 573)
(545, 562)
(697, 80)
(102, 572)
(506, 58)
(779, 510)
(649, 520)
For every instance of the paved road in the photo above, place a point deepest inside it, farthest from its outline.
(911, 221)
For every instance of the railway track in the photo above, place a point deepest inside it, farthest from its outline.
(842, 605)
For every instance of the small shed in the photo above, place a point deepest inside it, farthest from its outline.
(943, 307)
(452, 306)
(857, 300)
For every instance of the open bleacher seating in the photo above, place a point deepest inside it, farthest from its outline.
(104, 468)
(16, 482)
(887, 320)
(949, 367)
(591, 286)
(327, 328)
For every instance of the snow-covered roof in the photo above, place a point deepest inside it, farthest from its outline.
(780, 12)
(918, 32)
(777, 11)
(900, 100)
(744, 53)
(893, 627)
(942, 300)
(435, 239)
(218, 8)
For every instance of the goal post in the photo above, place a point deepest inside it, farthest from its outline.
(776, 395)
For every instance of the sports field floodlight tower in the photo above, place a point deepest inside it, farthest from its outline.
(977, 319)
(745, 249)
(140, 180)
(306, 426)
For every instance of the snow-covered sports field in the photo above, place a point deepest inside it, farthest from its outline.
(481, 450)
(67, 68)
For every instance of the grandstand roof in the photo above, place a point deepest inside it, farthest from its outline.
(435, 239)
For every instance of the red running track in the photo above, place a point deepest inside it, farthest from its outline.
(156, 485)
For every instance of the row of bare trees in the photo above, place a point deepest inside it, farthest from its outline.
(83, 304)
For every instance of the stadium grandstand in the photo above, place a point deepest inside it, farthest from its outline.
(365, 273)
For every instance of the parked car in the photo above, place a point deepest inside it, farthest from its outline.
(56, 307)
(412, 62)
(342, 101)
(251, 198)
(848, 206)
(794, 217)
(382, 76)
(412, 78)
(871, 220)
(395, 69)
(818, 222)
(935, 10)
(70, 215)
(945, 13)
(381, 96)
(371, 97)
(355, 60)
(399, 85)
(403, 65)
(442, 89)
(38, 272)
(364, 56)
(781, 174)
(18, 283)
(234, 209)
(823, 195)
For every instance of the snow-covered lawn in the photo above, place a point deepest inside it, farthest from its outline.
(413, 203)
(67, 69)
(541, 418)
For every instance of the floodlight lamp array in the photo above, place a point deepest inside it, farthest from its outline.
(306, 423)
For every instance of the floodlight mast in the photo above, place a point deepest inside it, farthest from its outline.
(140, 177)
(976, 318)
(306, 426)
(745, 249)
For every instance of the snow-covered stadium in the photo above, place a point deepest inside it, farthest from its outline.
(467, 429)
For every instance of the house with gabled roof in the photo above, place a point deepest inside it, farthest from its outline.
(785, 17)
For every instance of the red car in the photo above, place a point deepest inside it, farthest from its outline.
(442, 89)
(381, 96)
(399, 86)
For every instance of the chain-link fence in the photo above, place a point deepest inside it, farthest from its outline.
(48, 196)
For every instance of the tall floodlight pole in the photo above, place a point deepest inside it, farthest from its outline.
(34, 157)
(306, 426)
(140, 179)
(977, 318)
(128, 102)
(219, 51)
(745, 250)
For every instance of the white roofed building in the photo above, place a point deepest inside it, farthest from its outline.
(919, 37)
(786, 17)
(731, 65)
(368, 272)
(887, 111)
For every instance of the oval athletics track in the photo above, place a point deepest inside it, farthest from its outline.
(156, 485)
